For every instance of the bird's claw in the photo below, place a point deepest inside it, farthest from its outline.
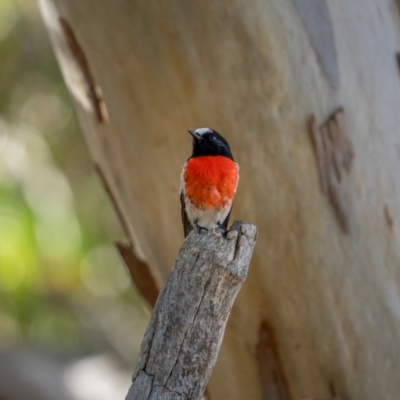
(222, 229)
(201, 229)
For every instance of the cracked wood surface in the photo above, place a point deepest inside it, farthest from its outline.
(182, 340)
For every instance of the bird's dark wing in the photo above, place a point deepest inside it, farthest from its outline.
(225, 223)
(187, 226)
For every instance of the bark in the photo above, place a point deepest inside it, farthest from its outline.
(183, 338)
(319, 314)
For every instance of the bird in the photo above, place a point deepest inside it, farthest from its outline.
(208, 183)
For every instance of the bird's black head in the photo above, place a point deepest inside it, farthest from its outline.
(207, 142)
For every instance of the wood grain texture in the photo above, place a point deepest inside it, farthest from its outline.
(93, 90)
(182, 340)
(318, 23)
(248, 70)
(270, 367)
(334, 152)
(140, 273)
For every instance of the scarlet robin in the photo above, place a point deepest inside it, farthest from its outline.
(208, 183)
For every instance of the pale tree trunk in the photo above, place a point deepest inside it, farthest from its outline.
(319, 315)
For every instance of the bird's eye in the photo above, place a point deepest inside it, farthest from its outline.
(213, 137)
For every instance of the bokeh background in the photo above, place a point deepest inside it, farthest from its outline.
(70, 322)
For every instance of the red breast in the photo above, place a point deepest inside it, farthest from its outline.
(210, 181)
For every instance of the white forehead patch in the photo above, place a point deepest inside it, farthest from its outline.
(202, 131)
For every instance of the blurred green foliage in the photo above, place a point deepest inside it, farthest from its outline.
(61, 283)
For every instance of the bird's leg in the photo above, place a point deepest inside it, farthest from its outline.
(201, 229)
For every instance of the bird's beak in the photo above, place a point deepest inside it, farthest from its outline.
(195, 135)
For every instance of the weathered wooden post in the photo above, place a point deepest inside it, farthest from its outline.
(182, 340)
